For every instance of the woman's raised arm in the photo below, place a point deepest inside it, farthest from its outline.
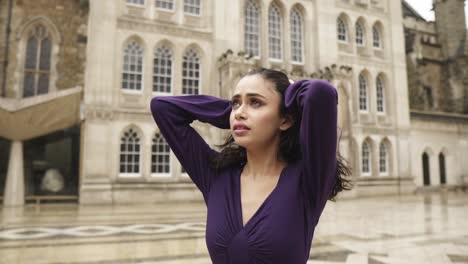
(316, 102)
(173, 115)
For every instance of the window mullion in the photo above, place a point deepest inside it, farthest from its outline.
(36, 67)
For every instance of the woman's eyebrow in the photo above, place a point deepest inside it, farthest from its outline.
(248, 95)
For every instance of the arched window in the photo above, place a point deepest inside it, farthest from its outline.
(426, 169)
(376, 37)
(443, 177)
(252, 28)
(362, 93)
(366, 161)
(360, 34)
(37, 63)
(160, 155)
(130, 162)
(192, 7)
(383, 158)
(380, 95)
(191, 69)
(274, 32)
(296, 35)
(132, 76)
(342, 30)
(165, 4)
(162, 71)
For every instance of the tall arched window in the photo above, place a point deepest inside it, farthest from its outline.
(296, 35)
(380, 95)
(342, 30)
(38, 61)
(130, 162)
(191, 69)
(376, 37)
(252, 28)
(360, 34)
(162, 71)
(426, 169)
(160, 155)
(366, 158)
(383, 158)
(274, 32)
(443, 176)
(132, 75)
(362, 93)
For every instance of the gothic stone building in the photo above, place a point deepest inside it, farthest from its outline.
(136, 49)
(437, 60)
(42, 55)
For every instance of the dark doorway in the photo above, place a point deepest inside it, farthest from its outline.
(51, 165)
(4, 159)
(426, 171)
(443, 177)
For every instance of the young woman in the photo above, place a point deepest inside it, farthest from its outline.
(266, 189)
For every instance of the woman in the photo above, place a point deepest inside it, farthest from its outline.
(266, 189)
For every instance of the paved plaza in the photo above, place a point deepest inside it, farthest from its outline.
(423, 228)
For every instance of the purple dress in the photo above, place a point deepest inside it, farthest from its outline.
(281, 229)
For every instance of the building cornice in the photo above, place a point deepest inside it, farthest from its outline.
(438, 116)
(163, 28)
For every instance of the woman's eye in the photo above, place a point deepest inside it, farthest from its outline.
(256, 102)
(253, 102)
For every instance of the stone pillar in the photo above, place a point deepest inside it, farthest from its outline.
(14, 187)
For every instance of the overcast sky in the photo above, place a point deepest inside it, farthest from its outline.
(424, 8)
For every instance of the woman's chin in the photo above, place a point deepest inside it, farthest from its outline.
(241, 141)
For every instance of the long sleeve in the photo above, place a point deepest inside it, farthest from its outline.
(174, 114)
(316, 101)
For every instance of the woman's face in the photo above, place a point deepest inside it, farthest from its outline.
(255, 105)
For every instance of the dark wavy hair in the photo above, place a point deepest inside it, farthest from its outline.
(289, 150)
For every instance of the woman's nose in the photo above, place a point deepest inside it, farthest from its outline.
(240, 112)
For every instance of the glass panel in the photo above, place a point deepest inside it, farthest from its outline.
(274, 32)
(28, 89)
(45, 54)
(165, 4)
(43, 84)
(31, 53)
(132, 67)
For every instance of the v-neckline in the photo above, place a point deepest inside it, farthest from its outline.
(239, 197)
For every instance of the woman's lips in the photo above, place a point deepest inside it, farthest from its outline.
(240, 131)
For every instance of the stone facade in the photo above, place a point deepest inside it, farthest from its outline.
(110, 111)
(386, 62)
(436, 58)
(66, 21)
(41, 91)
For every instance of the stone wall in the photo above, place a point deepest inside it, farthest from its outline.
(451, 27)
(69, 18)
(3, 21)
(436, 133)
(436, 67)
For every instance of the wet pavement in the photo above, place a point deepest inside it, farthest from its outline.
(423, 228)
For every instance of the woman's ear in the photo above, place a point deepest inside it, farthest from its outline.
(286, 122)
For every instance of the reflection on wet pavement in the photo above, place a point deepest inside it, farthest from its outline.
(424, 228)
